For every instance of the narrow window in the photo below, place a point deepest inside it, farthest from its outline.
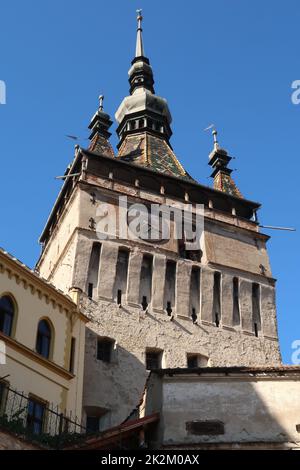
(194, 315)
(170, 285)
(43, 339)
(195, 293)
(217, 298)
(7, 312)
(146, 278)
(236, 317)
(104, 349)
(120, 284)
(153, 360)
(93, 271)
(72, 355)
(256, 308)
(144, 303)
(90, 290)
(35, 415)
(169, 308)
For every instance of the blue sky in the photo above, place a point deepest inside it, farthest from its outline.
(230, 62)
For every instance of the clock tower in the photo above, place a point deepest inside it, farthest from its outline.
(156, 303)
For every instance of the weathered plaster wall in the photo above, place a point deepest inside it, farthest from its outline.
(251, 408)
(118, 386)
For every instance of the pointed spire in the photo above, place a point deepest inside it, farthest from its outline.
(99, 137)
(139, 50)
(140, 73)
(218, 160)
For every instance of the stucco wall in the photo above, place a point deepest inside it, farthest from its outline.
(252, 408)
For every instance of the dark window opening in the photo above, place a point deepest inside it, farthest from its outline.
(43, 340)
(194, 255)
(236, 302)
(104, 350)
(146, 278)
(153, 360)
(92, 423)
(169, 308)
(7, 312)
(144, 302)
(194, 315)
(217, 298)
(119, 297)
(195, 293)
(90, 290)
(192, 361)
(35, 416)
(170, 287)
(256, 308)
(72, 355)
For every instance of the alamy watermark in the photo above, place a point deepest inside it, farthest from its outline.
(2, 92)
(153, 223)
(296, 94)
(296, 354)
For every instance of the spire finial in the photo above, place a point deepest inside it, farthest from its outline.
(216, 143)
(139, 50)
(101, 98)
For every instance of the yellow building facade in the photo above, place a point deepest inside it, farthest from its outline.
(42, 341)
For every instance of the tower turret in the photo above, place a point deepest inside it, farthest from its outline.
(218, 160)
(99, 136)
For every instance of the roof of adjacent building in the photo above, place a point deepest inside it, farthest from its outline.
(280, 369)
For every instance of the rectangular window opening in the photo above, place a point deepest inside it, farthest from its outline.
(72, 355)
(153, 360)
(104, 350)
(35, 416)
(217, 298)
(90, 290)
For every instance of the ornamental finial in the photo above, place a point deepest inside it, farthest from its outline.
(139, 50)
(101, 98)
(216, 143)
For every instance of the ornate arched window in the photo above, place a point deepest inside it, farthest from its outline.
(43, 339)
(7, 312)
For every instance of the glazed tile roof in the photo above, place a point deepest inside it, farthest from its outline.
(101, 145)
(223, 182)
(153, 152)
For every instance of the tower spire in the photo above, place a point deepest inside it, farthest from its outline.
(218, 160)
(99, 136)
(139, 50)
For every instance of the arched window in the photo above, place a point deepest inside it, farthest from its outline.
(43, 340)
(7, 311)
